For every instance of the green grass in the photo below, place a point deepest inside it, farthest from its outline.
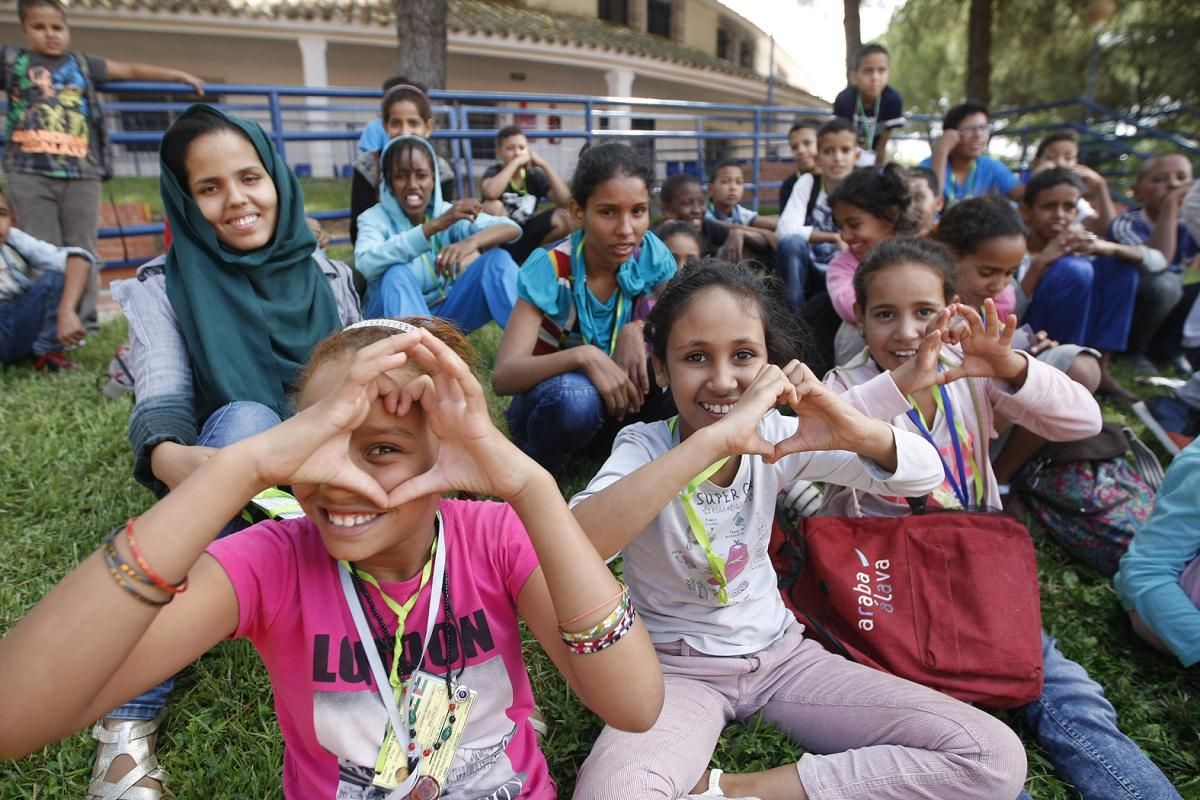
(66, 468)
(320, 194)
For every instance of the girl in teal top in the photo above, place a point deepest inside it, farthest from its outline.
(571, 354)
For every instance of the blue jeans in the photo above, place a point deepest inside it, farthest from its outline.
(1111, 314)
(555, 418)
(486, 291)
(228, 424)
(29, 322)
(794, 261)
(1062, 300)
(1077, 727)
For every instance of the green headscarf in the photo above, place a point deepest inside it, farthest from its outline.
(250, 318)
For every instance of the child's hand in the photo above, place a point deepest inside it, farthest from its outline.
(947, 142)
(467, 208)
(611, 381)
(1092, 180)
(987, 348)
(734, 245)
(473, 456)
(826, 422)
(739, 428)
(921, 371)
(70, 329)
(191, 80)
(630, 355)
(313, 447)
(1177, 195)
(454, 259)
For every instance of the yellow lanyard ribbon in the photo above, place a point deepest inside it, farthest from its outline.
(686, 495)
(401, 610)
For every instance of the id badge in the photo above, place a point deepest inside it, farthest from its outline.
(439, 721)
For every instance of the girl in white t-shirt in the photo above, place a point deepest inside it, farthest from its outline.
(690, 502)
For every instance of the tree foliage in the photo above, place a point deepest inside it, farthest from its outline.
(1149, 52)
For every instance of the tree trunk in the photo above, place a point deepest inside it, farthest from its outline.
(853, 33)
(421, 29)
(979, 51)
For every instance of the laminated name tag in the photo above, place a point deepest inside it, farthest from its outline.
(436, 724)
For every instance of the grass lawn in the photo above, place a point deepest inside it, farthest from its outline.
(66, 467)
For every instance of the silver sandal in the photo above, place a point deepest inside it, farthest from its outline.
(129, 737)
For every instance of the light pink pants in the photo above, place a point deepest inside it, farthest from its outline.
(867, 734)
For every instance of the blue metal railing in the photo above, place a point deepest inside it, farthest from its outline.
(335, 115)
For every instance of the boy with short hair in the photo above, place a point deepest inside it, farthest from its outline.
(927, 201)
(808, 237)
(749, 229)
(516, 184)
(682, 199)
(874, 107)
(802, 141)
(40, 286)
(958, 156)
(1162, 184)
(1061, 149)
(54, 154)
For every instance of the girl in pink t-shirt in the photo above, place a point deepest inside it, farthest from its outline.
(386, 616)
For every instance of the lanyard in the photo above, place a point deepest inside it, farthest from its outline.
(958, 435)
(397, 713)
(584, 309)
(523, 189)
(869, 124)
(960, 192)
(401, 610)
(715, 562)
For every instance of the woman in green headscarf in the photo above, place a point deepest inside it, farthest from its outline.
(220, 328)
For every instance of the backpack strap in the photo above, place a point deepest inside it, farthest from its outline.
(95, 116)
(552, 337)
(812, 198)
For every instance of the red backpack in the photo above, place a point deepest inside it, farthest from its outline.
(948, 600)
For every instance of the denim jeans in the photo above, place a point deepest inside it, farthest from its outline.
(799, 272)
(1113, 294)
(228, 424)
(486, 291)
(1077, 727)
(555, 418)
(29, 322)
(1063, 299)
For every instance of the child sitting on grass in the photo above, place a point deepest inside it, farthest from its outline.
(951, 395)
(726, 188)
(1061, 149)
(421, 594)
(871, 104)
(690, 502)
(516, 184)
(808, 235)
(40, 289)
(422, 255)
(1162, 184)
(802, 141)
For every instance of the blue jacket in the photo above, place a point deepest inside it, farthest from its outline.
(39, 256)
(1148, 580)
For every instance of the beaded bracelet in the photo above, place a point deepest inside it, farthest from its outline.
(608, 639)
(116, 565)
(155, 578)
(602, 627)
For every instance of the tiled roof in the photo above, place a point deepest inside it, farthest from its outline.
(488, 17)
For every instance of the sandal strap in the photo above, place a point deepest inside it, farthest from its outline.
(714, 783)
(126, 737)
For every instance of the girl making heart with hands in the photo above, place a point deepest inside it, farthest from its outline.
(387, 616)
(690, 502)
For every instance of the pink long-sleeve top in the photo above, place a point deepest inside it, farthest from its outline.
(1049, 403)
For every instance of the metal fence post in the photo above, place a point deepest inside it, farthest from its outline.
(756, 169)
(277, 124)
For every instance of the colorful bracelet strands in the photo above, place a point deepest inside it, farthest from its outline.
(154, 577)
(126, 576)
(607, 632)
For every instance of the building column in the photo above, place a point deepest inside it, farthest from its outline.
(319, 155)
(619, 84)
